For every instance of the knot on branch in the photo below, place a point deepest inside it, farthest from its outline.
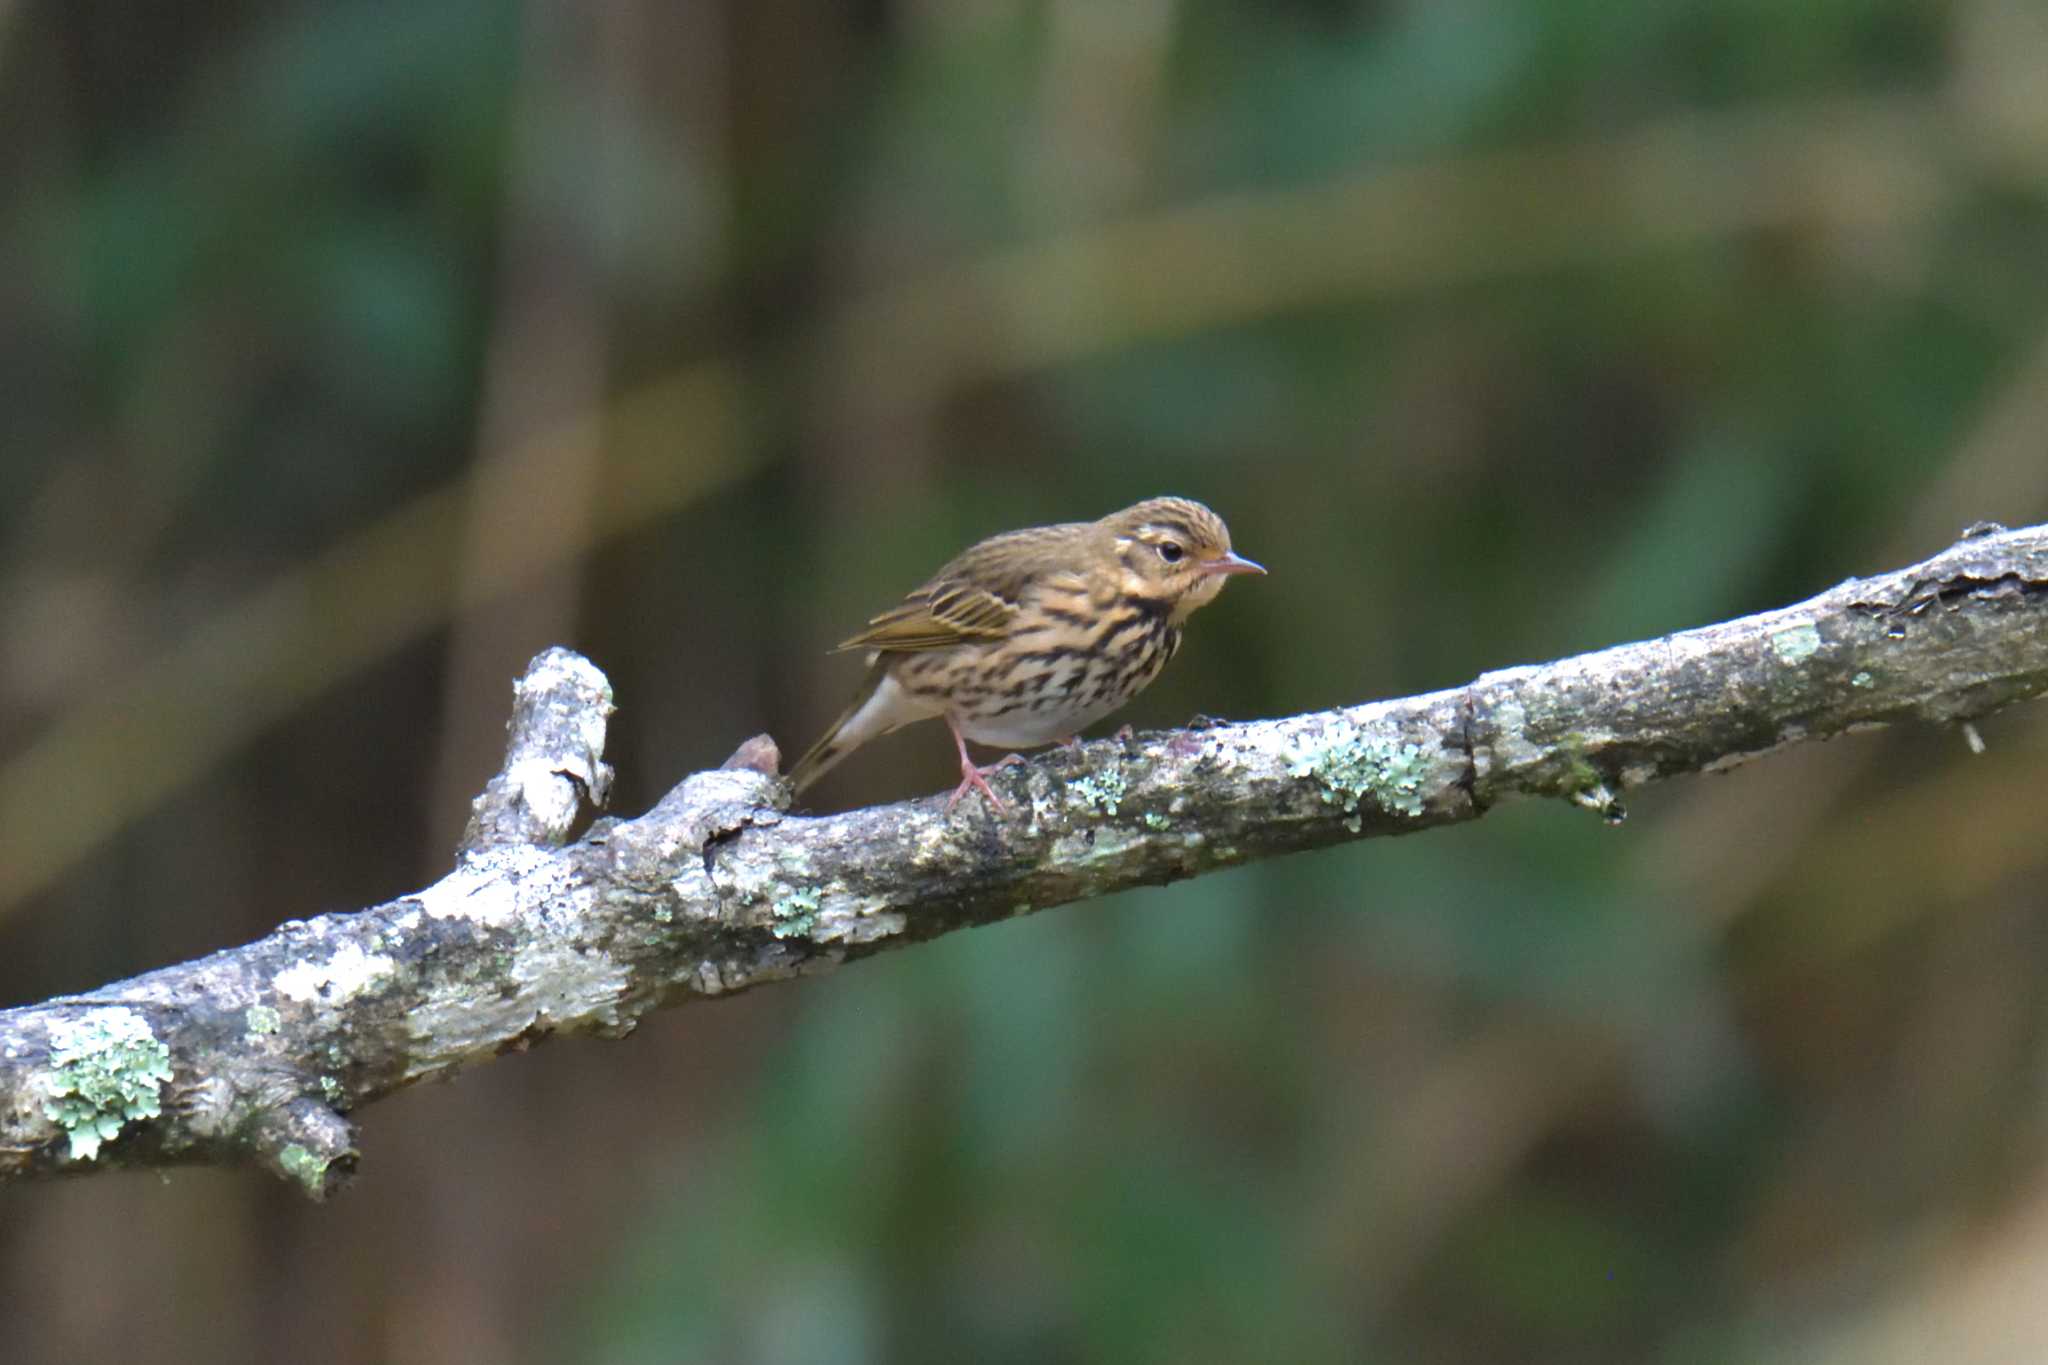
(703, 810)
(554, 757)
(307, 1144)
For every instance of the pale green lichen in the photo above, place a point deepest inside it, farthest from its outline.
(1586, 786)
(1154, 820)
(304, 1167)
(1103, 791)
(260, 1019)
(1351, 764)
(796, 914)
(330, 1089)
(1579, 775)
(1797, 644)
(1862, 680)
(106, 1069)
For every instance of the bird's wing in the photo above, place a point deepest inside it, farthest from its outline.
(976, 597)
(939, 614)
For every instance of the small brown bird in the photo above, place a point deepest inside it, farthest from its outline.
(1034, 635)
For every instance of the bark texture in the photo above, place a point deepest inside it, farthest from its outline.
(256, 1054)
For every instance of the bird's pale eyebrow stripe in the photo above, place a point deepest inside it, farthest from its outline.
(1160, 530)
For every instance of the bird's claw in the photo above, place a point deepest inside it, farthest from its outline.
(973, 778)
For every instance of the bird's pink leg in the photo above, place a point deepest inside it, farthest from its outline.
(971, 776)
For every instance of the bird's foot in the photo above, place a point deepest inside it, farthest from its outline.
(973, 778)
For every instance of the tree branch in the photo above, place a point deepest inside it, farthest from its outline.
(253, 1055)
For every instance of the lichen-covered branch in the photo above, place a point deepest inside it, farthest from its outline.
(254, 1055)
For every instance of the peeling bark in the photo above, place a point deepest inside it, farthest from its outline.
(254, 1055)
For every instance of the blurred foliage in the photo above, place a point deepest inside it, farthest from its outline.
(351, 353)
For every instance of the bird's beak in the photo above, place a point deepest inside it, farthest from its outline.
(1229, 564)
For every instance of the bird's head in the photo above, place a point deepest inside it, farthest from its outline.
(1174, 551)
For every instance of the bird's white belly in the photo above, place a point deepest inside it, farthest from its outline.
(1027, 729)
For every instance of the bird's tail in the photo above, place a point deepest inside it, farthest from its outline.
(841, 737)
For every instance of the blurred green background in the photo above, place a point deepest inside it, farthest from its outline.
(350, 353)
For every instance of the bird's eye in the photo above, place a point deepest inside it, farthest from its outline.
(1170, 551)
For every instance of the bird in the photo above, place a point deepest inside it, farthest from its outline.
(1029, 637)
